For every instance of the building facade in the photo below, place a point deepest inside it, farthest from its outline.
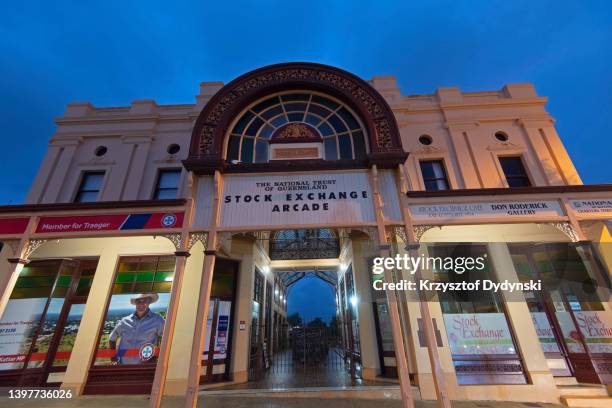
(214, 210)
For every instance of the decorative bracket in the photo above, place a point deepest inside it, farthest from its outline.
(194, 237)
(419, 230)
(175, 239)
(567, 229)
(32, 246)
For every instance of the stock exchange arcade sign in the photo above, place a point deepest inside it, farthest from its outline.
(296, 199)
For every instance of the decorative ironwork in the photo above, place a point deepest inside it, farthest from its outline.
(175, 239)
(419, 230)
(194, 237)
(295, 131)
(401, 232)
(304, 244)
(33, 245)
(567, 229)
(211, 126)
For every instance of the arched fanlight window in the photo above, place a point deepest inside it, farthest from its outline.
(342, 132)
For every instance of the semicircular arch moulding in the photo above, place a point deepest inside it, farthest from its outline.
(210, 129)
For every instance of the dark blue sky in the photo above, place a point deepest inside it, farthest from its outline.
(311, 298)
(55, 52)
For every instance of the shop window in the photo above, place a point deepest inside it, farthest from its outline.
(42, 318)
(475, 320)
(515, 172)
(90, 186)
(434, 175)
(167, 185)
(342, 132)
(135, 317)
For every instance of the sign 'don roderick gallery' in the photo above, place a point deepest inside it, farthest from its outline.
(526, 209)
(296, 199)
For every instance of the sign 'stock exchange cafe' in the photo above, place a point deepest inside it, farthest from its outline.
(155, 253)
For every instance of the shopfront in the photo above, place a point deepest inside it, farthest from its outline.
(303, 170)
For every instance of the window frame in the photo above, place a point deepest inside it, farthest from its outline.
(82, 179)
(157, 188)
(526, 175)
(261, 115)
(444, 169)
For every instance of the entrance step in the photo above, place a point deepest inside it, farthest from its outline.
(565, 381)
(586, 402)
(582, 390)
(360, 392)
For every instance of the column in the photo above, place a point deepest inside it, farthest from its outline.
(93, 317)
(178, 365)
(367, 326)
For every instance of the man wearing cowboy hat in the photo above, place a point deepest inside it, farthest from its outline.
(143, 327)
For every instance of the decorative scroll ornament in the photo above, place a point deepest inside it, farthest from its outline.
(419, 230)
(33, 245)
(295, 131)
(194, 237)
(567, 229)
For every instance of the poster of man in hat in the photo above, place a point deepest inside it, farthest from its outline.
(138, 333)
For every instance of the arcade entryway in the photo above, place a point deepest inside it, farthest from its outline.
(289, 349)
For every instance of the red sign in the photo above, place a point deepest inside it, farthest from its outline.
(110, 222)
(13, 225)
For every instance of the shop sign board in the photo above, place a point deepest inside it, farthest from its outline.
(110, 222)
(478, 333)
(594, 207)
(496, 209)
(13, 226)
(256, 200)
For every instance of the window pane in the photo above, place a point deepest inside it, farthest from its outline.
(254, 127)
(166, 194)
(261, 151)
(233, 147)
(87, 197)
(295, 117)
(515, 173)
(324, 101)
(346, 151)
(270, 113)
(92, 181)
(169, 178)
(244, 120)
(265, 104)
(337, 124)
(246, 155)
(295, 97)
(325, 129)
(359, 144)
(348, 118)
(331, 151)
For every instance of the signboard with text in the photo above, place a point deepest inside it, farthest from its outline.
(478, 333)
(593, 207)
(110, 222)
(500, 209)
(296, 199)
(13, 226)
